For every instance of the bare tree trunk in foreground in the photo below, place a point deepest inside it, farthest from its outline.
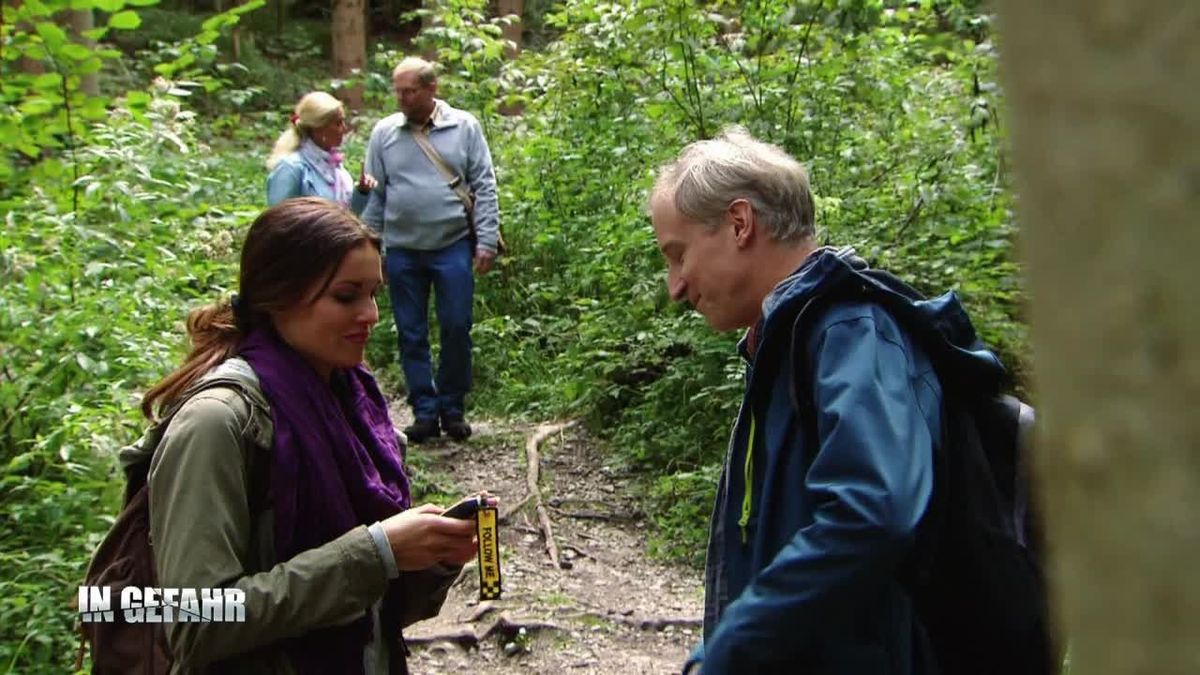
(1106, 130)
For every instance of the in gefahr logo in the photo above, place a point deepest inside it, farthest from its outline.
(136, 604)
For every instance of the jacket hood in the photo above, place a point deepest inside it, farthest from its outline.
(940, 324)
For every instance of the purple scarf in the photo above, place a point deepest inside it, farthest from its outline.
(326, 477)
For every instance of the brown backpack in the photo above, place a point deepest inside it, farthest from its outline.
(125, 558)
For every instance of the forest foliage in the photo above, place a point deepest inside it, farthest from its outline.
(125, 208)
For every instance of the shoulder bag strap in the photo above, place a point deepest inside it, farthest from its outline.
(455, 181)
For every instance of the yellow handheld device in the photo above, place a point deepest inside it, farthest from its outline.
(489, 553)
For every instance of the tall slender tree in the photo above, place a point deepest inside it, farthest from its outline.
(514, 30)
(1106, 142)
(25, 64)
(349, 47)
(79, 21)
(427, 21)
(241, 40)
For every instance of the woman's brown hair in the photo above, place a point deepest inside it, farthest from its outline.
(290, 248)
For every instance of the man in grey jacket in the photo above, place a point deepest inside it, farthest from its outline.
(426, 221)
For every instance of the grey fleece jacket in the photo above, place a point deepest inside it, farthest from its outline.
(413, 206)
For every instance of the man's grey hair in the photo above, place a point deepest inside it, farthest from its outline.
(426, 71)
(709, 175)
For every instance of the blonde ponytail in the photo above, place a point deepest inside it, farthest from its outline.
(288, 142)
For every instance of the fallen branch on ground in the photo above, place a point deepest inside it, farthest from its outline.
(507, 513)
(462, 576)
(578, 550)
(466, 637)
(531, 479)
(508, 628)
(657, 623)
(651, 622)
(463, 637)
(595, 515)
(483, 609)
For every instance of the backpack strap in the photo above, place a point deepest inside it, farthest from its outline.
(258, 460)
(1022, 509)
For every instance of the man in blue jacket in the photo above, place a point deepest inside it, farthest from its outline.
(816, 512)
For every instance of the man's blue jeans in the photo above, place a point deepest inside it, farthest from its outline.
(449, 270)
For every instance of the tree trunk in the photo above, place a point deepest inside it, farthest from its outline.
(1106, 134)
(349, 47)
(514, 30)
(235, 36)
(242, 40)
(24, 64)
(79, 21)
(428, 20)
(513, 33)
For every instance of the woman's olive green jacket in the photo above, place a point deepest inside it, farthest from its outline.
(208, 530)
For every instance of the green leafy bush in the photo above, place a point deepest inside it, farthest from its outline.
(99, 271)
(681, 504)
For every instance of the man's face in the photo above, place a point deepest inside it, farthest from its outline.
(414, 98)
(707, 268)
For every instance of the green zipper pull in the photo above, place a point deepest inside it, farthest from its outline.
(748, 484)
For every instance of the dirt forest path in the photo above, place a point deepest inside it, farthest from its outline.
(607, 608)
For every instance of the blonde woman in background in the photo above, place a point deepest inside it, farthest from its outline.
(306, 161)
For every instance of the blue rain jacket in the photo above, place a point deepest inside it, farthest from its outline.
(802, 574)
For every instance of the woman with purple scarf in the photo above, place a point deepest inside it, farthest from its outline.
(277, 469)
(307, 161)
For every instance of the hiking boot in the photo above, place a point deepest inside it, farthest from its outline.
(457, 428)
(422, 430)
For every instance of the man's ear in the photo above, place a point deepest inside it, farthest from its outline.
(741, 213)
